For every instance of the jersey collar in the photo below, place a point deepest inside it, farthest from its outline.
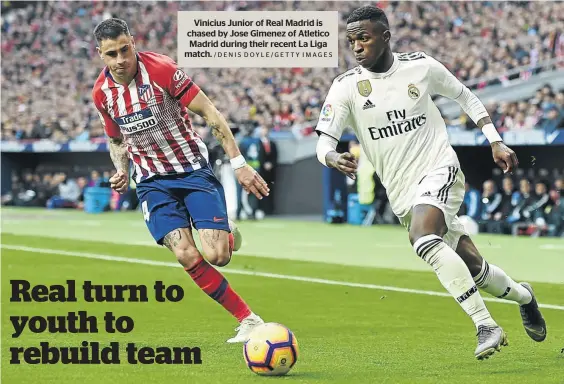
(393, 68)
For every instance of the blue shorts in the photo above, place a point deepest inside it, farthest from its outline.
(196, 198)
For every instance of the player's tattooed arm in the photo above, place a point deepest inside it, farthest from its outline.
(217, 133)
(249, 179)
(223, 134)
(118, 154)
(217, 123)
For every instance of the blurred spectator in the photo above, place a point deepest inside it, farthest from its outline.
(491, 200)
(559, 186)
(95, 180)
(472, 204)
(498, 222)
(268, 154)
(68, 193)
(555, 218)
(524, 201)
(552, 119)
(247, 203)
(535, 212)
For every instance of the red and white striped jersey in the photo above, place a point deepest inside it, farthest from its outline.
(150, 112)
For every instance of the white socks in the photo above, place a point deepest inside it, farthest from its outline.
(455, 277)
(494, 281)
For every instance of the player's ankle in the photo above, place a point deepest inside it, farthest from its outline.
(525, 296)
(487, 322)
(247, 315)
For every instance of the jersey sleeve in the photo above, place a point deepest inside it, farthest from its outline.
(178, 84)
(335, 112)
(110, 126)
(442, 81)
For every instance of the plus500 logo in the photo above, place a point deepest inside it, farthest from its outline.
(137, 121)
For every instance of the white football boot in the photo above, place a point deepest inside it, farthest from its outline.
(244, 329)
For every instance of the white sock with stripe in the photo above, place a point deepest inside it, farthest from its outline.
(495, 281)
(455, 277)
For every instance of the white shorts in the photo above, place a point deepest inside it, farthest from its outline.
(444, 189)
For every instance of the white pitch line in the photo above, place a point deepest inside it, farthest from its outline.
(552, 246)
(251, 273)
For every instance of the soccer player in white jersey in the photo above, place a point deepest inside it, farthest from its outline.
(387, 102)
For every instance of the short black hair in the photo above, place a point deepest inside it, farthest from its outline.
(368, 12)
(111, 29)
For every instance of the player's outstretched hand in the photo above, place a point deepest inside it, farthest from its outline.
(119, 182)
(347, 164)
(504, 157)
(251, 181)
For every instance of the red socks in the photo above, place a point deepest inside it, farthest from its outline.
(212, 282)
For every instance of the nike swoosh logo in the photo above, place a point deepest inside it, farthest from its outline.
(542, 333)
(218, 219)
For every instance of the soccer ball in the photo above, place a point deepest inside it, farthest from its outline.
(271, 350)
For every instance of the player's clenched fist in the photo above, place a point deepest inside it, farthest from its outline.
(119, 182)
(251, 181)
(504, 157)
(345, 163)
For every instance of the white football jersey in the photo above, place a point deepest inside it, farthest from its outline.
(395, 120)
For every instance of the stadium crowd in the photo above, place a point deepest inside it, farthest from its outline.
(53, 189)
(529, 203)
(50, 61)
(543, 111)
(520, 206)
(50, 64)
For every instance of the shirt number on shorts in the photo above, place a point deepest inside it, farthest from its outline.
(145, 209)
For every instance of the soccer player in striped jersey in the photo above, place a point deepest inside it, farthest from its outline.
(143, 100)
(387, 101)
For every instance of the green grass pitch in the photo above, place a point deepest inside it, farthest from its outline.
(338, 288)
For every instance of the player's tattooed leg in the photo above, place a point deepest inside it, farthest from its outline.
(181, 243)
(172, 239)
(211, 237)
(215, 244)
(209, 279)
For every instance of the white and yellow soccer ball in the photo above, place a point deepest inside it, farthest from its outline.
(272, 350)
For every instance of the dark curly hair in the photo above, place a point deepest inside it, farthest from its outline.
(368, 12)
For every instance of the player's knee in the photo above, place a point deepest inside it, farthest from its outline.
(415, 233)
(220, 255)
(413, 237)
(187, 256)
